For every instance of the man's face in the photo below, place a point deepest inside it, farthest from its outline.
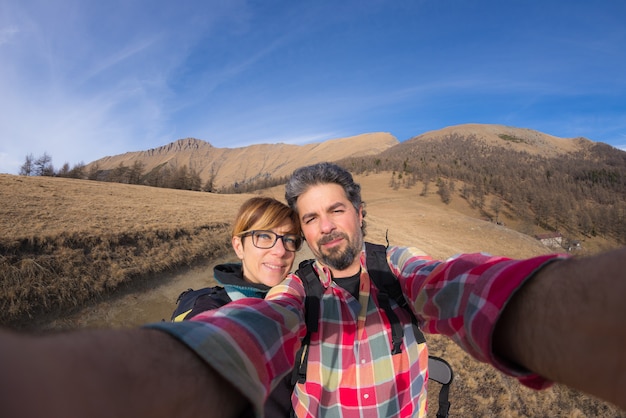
(332, 227)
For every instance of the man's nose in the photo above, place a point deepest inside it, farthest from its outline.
(326, 225)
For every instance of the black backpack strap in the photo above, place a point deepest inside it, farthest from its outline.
(314, 290)
(389, 288)
(397, 333)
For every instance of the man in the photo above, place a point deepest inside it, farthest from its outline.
(547, 315)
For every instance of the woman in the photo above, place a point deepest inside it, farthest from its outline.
(265, 237)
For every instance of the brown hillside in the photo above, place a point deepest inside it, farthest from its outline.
(230, 165)
(517, 139)
(575, 187)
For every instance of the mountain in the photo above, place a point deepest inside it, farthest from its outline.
(227, 166)
(506, 137)
(568, 186)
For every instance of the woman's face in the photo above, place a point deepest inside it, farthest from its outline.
(267, 266)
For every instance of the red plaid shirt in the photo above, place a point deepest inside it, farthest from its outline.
(351, 371)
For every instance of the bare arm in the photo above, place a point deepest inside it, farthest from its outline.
(568, 324)
(122, 373)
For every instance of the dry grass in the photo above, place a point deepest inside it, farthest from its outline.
(65, 242)
(86, 235)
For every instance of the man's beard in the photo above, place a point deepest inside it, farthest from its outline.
(336, 258)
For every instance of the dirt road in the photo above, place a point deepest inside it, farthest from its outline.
(150, 301)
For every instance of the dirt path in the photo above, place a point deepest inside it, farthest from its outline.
(151, 301)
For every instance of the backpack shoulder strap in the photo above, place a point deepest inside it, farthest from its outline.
(381, 275)
(314, 290)
(389, 288)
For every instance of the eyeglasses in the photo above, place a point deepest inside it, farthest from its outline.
(267, 239)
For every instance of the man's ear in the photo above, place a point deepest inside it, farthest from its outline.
(237, 243)
(361, 216)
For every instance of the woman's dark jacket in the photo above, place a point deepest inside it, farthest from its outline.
(232, 287)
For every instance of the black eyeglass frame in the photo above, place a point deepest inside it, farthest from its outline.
(298, 239)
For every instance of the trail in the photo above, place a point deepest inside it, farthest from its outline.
(152, 300)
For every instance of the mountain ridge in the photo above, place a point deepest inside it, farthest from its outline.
(227, 166)
(520, 139)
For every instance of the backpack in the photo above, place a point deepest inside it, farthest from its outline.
(191, 302)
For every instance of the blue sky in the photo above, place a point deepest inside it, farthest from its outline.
(82, 79)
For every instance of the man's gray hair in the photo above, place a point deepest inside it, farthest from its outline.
(323, 173)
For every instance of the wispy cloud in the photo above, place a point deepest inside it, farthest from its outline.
(108, 62)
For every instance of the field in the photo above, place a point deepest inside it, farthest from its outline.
(101, 254)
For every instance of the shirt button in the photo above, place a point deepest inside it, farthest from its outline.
(362, 361)
(366, 396)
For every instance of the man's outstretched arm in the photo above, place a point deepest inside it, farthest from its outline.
(568, 324)
(120, 373)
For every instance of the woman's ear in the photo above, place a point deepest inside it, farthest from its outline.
(237, 243)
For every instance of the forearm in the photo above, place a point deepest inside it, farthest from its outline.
(568, 324)
(131, 373)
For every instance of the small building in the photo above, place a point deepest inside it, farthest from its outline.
(551, 239)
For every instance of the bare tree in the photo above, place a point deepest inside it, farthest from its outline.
(135, 172)
(478, 194)
(209, 185)
(28, 167)
(496, 207)
(43, 166)
(393, 183)
(78, 171)
(426, 182)
(93, 172)
(443, 190)
(466, 192)
(64, 171)
(119, 174)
